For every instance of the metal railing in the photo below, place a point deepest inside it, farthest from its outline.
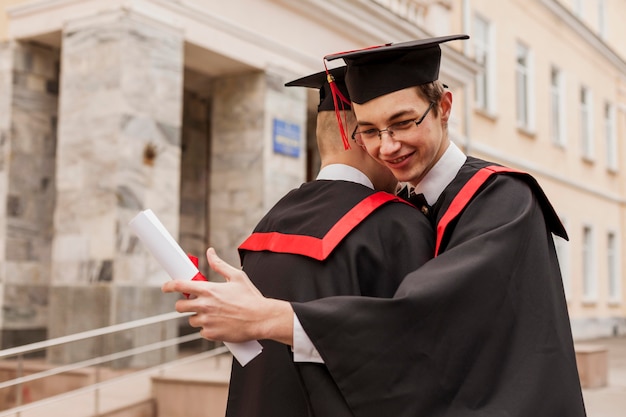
(19, 353)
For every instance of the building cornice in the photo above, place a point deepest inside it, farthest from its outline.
(370, 23)
(191, 10)
(585, 33)
(364, 21)
(32, 19)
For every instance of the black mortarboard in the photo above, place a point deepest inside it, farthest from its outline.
(320, 81)
(379, 70)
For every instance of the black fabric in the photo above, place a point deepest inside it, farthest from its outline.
(480, 330)
(418, 200)
(375, 71)
(371, 261)
(320, 81)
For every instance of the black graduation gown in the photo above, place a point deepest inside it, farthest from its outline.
(480, 330)
(371, 260)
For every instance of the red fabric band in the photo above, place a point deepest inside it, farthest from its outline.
(313, 247)
(464, 196)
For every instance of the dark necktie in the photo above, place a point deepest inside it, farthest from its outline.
(418, 200)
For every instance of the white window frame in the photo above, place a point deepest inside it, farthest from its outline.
(484, 96)
(610, 137)
(557, 107)
(614, 282)
(524, 83)
(586, 123)
(589, 276)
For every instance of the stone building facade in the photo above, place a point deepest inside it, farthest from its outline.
(109, 107)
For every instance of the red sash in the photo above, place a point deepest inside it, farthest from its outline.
(313, 247)
(464, 196)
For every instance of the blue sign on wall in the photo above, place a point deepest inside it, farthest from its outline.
(286, 138)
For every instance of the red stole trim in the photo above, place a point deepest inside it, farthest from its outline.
(464, 196)
(313, 247)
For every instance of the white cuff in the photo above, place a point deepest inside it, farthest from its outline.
(303, 349)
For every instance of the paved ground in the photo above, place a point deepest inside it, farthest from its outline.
(610, 401)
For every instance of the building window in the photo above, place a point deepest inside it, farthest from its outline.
(561, 247)
(484, 56)
(586, 123)
(557, 107)
(610, 137)
(612, 258)
(589, 280)
(524, 87)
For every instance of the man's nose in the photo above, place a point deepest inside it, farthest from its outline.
(388, 144)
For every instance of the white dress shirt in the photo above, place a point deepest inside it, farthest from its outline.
(440, 175)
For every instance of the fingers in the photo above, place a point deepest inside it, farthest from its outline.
(218, 265)
(194, 288)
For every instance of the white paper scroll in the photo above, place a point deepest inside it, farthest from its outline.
(178, 266)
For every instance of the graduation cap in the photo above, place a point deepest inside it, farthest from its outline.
(378, 70)
(333, 92)
(320, 81)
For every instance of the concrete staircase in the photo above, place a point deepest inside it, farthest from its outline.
(191, 389)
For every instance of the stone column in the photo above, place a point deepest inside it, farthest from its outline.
(28, 121)
(258, 153)
(6, 93)
(118, 153)
(194, 210)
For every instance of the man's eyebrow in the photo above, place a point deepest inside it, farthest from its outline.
(396, 115)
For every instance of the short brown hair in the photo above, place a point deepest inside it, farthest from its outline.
(431, 92)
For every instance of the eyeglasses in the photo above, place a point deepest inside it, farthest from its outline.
(398, 131)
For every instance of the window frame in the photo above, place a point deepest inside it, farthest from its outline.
(524, 88)
(558, 126)
(586, 123)
(588, 267)
(610, 137)
(614, 282)
(484, 98)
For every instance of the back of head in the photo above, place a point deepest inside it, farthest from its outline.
(332, 150)
(329, 139)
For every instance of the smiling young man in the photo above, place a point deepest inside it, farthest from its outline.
(491, 334)
(482, 329)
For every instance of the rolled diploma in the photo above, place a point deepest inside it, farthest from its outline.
(178, 266)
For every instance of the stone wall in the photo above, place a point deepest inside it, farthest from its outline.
(119, 152)
(247, 175)
(28, 196)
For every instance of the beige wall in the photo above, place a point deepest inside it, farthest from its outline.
(585, 192)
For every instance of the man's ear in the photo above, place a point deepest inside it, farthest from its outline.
(445, 106)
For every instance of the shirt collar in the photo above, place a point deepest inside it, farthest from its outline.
(344, 173)
(441, 174)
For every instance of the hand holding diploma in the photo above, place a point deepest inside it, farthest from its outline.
(235, 310)
(182, 270)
